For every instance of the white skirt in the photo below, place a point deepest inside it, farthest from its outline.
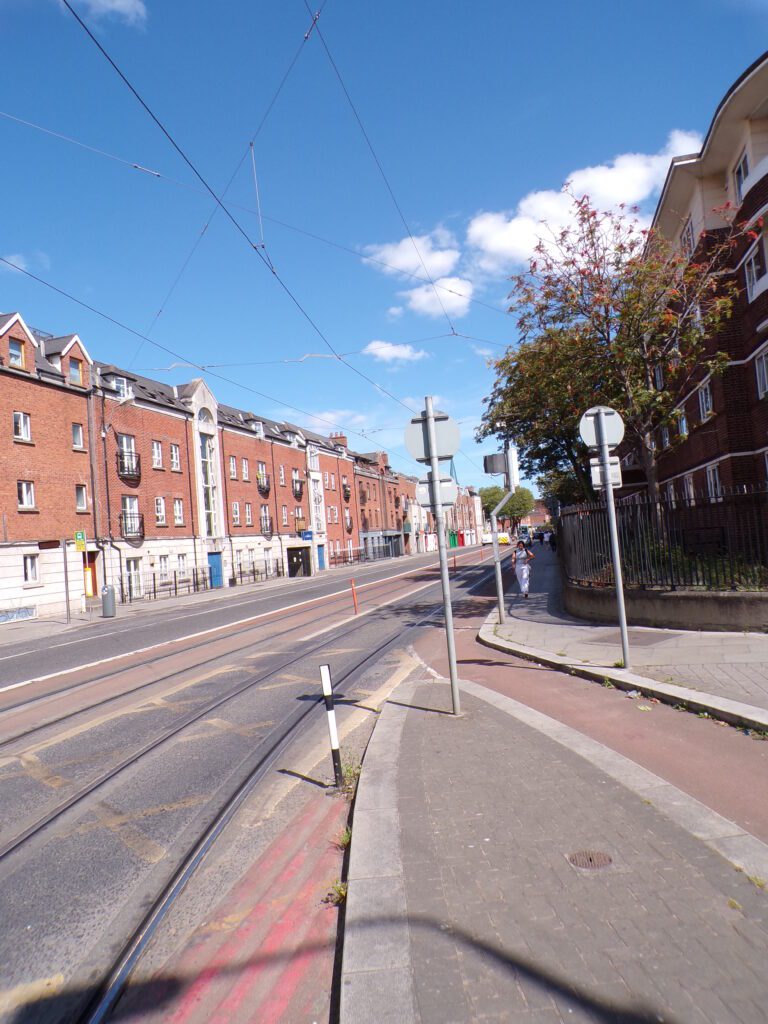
(523, 572)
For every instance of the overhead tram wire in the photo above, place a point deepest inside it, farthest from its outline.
(189, 362)
(241, 230)
(382, 172)
(159, 176)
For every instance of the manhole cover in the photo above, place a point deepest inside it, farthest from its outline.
(590, 859)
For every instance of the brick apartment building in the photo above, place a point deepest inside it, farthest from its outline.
(168, 488)
(721, 439)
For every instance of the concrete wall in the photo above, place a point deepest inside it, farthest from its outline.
(731, 611)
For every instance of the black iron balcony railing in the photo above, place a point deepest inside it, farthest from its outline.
(297, 486)
(128, 465)
(131, 525)
(346, 490)
(397, 501)
(263, 484)
(349, 525)
(265, 525)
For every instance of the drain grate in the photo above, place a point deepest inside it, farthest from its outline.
(590, 859)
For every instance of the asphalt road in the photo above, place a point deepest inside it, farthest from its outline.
(116, 770)
(158, 622)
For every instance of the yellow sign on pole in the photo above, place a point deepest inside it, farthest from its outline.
(80, 540)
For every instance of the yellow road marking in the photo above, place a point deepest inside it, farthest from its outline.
(130, 836)
(287, 680)
(342, 650)
(34, 768)
(29, 992)
(117, 820)
(224, 727)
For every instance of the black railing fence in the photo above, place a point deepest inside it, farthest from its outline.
(697, 542)
(361, 555)
(267, 569)
(149, 586)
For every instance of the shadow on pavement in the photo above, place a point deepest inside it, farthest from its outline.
(70, 1007)
(419, 707)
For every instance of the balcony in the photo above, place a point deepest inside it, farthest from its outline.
(349, 525)
(346, 490)
(132, 525)
(397, 501)
(265, 526)
(128, 465)
(263, 484)
(297, 486)
(363, 498)
(299, 524)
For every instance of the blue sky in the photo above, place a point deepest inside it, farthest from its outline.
(478, 113)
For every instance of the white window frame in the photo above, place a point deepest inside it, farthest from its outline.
(31, 569)
(705, 401)
(671, 496)
(689, 490)
(175, 458)
(284, 513)
(761, 373)
(23, 421)
(714, 486)
(682, 425)
(264, 516)
(75, 371)
(164, 567)
(282, 474)
(328, 513)
(665, 437)
(333, 481)
(160, 511)
(248, 514)
(326, 478)
(753, 262)
(81, 489)
(25, 493)
(181, 564)
(157, 455)
(233, 467)
(17, 362)
(740, 174)
(235, 513)
(244, 469)
(335, 513)
(178, 512)
(79, 445)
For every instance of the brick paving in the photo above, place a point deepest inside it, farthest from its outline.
(503, 928)
(729, 665)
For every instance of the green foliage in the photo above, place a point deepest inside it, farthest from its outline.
(519, 505)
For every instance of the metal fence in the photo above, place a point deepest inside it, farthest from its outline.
(361, 555)
(151, 586)
(265, 570)
(699, 542)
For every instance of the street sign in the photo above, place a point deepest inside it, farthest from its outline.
(447, 437)
(597, 472)
(613, 425)
(449, 492)
(80, 540)
(306, 535)
(495, 463)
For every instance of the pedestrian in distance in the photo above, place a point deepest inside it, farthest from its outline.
(522, 557)
(553, 541)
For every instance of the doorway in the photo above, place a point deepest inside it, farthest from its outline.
(299, 563)
(214, 564)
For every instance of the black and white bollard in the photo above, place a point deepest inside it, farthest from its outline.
(325, 676)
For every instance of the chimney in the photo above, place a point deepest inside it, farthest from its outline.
(339, 439)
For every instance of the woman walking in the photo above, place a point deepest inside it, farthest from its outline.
(522, 557)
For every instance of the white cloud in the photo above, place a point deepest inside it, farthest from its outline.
(438, 251)
(387, 352)
(133, 12)
(455, 294)
(18, 259)
(501, 239)
(395, 312)
(479, 350)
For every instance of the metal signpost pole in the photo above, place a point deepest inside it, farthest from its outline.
(497, 566)
(605, 465)
(434, 479)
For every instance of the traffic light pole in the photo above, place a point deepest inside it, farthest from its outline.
(437, 508)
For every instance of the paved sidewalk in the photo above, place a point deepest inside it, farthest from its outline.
(731, 666)
(463, 905)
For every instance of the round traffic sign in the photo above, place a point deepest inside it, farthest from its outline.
(613, 427)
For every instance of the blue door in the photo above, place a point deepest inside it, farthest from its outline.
(214, 564)
(321, 555)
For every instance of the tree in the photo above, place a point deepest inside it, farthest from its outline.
(490, 498)
(558, 488)
(642, 310)
(519, 505)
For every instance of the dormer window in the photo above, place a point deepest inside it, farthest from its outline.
(740, 175)
(258, 428)
(16, 353)
(55, 362)
(75, 371)
(120, 384)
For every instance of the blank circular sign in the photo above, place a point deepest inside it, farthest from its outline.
(447, 437)
(612, 422)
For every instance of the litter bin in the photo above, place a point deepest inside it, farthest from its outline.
(108, 602)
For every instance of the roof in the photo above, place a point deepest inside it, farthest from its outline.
(144, 388)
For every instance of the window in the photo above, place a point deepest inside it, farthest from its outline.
(754, 267)
(285, 513)
(682, 425)
(22, 426)
(688, 490)
(77, 435)
(235, 513)
(248, 514)
(294, 476)
(328, 513)
(244, 466)
(175, 458)
(261, 471)
(665, 437)
(761, 369)
(157, 455)
(127, 443)
(658, 377)
(335, 513)
(740, 175)
(178, 512)
(232, 467)
(714, 488)
(671, 493)
(298, 513)
(81, 498)
(25, 490)
(181, 565)
(705, 401)
(264, 516)
(75, 371)
(687, 240)
(16, 353)
(121, 387)
(160, 511)
(31, 568)
(325, 478)
(282, 475)
(163, 566)
(333, 481)
(344, 481)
